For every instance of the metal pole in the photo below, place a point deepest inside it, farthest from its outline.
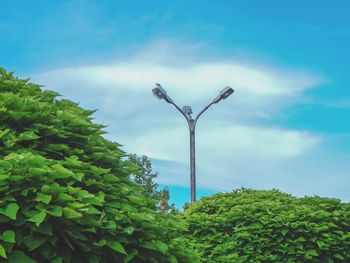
(192, 127)
(193, 161)
(160, 93)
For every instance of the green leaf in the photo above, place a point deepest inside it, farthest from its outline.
(116, 246)
(58, 171)
(78, 176)
(8, 236)
(65, 197)
(28, 136)
(130, 256)
(11, 210)
(111, 178)
(102, 243)
(75, 233)
(38, 218)
(312, 252)
(4, 176)
(338, 256)
(156, 245)
(45, 228)
(2, 71)
(17, 115)
(70, 213)
(32, 242)
(2, 252)
(129, 230)
(55, 211)
(136, 199)
(37, 171)
(43, 198)
(17, 256)
(6, 164)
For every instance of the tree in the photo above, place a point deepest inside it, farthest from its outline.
(65, 192)
(144, 176)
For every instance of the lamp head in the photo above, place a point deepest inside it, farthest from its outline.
(223, 94)
(160, 93)
(226, 92)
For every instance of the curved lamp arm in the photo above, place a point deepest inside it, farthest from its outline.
(202, 111)
(177, 107)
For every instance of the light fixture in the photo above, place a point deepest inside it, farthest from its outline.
(186, 111)
(160, 93)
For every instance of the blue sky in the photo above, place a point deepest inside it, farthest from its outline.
(285, 127)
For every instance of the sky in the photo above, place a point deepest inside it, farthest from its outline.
(286, 126)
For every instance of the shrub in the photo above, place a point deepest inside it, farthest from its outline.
(65, 193)
(269, 226)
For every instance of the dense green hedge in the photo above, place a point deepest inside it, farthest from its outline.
(270, 226)
(65, 193)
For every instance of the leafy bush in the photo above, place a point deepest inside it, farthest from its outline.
(65, 193)
(269, 226)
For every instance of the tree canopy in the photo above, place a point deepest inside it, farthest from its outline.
(269, 226)
(144, 176)
(65, 192)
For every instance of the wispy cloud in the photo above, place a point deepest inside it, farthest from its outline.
(233, 149)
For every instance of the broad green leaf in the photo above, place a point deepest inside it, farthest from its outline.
(58, 171)
(17, 115)
(8, 236)
(37, 171)
(76, 233)
(38, 218)
(18, 256)
(136, 199)
(156, 245)
(28, 136)
(79, 176)
(2, 252)
(4, 176)
(6, 164)
(102, 243)
(173, 259)
(129, 230)
(312, 252)
(111, 224)
(111, 178)
(11, 210)
(85, 194)
(65, 197)
(338, 256)
(55, 211)
(33, 242)
(2, 71)
(70, 213)
(116, 246)
(43, 198)
(36, 161)
(45, 228)
(130, 256)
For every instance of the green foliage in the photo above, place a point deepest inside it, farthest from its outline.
(145, 177)
(269, 226)
(65, 193)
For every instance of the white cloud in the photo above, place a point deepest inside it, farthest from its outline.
(233, 150)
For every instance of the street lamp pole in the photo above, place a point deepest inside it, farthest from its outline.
(186, 111)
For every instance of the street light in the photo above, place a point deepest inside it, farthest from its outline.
(186, 111)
